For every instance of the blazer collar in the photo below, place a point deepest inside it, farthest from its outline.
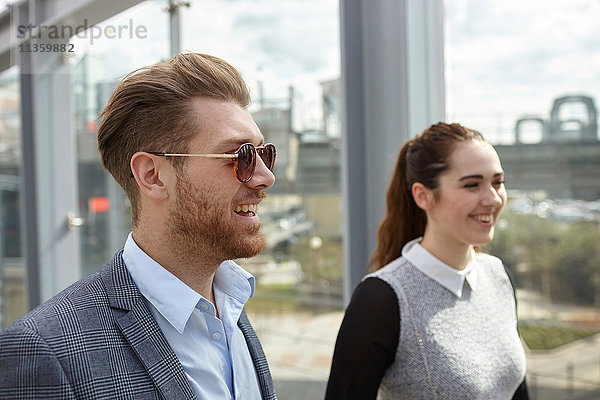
(145, 337)
(258, 358)
(143, 333)
(121, 289)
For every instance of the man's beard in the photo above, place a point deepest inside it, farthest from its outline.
(200, 226)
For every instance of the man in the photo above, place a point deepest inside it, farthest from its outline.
(165, 318)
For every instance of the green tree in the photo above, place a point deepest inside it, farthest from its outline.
(560, 260)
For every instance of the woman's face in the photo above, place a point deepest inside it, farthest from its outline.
(469, 197)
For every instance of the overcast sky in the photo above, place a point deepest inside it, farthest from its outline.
(504, 58)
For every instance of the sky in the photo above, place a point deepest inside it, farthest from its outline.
(503, 58)
(508, 58)
(274, 44)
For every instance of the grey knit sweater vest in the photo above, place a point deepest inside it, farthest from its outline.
(450, 347)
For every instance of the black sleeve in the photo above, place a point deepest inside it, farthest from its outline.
(366, 343)
(512, 279)
(521, 393)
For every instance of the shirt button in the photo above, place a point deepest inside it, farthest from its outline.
(216, 336)
(204, 306)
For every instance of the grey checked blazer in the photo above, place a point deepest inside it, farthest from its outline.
(97, 340)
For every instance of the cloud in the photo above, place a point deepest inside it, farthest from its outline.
(285, 41)
(508, 58)
(274, 44)
(503, 58)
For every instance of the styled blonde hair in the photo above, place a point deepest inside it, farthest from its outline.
(151, 110)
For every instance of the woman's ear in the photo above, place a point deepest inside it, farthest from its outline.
(146, 169)
(423, 196)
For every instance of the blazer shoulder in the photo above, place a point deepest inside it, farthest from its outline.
(76, 302)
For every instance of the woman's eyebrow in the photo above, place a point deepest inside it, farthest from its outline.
(471, 177)
(478, 176)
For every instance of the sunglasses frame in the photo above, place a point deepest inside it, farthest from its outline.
(233, 156)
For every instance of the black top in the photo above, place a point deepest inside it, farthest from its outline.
(367, 342)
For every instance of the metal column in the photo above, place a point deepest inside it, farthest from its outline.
(392, 88)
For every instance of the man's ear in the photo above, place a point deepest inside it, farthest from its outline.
(148, 171)
(423, 196)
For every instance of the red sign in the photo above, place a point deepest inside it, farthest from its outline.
(99, 204)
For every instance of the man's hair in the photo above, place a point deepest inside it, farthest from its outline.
(151, 110)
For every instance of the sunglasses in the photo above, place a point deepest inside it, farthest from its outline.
(244, 158)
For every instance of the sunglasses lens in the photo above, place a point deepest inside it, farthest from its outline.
(268, 156)
(245, 162)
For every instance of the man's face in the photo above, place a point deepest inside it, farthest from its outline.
(213, 214)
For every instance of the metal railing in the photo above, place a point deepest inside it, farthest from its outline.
(575, 387)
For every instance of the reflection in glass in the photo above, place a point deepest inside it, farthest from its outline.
(96, 69)
(13, 286)
(538, 102)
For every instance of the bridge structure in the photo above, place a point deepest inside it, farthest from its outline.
(566, 162)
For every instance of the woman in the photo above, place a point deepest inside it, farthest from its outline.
(437, 320)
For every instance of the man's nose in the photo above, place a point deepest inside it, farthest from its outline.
(263, 177)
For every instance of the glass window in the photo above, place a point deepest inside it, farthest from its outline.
(288, 53)
(13, 285)
(136, 37)
(526, 75)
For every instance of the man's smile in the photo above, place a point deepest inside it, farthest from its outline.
(247, 210)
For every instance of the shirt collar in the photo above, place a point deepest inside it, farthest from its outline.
(448, 277)
(235, 281)
(173, 299)
(232, 286)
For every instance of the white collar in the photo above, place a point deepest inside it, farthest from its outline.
(450, 278)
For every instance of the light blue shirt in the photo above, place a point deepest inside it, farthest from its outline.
(212, 351)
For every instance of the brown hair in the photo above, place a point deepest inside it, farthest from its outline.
(151, 110)
(422, 159)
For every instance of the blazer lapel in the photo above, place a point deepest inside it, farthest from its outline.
(258, 357)
(144, 335)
